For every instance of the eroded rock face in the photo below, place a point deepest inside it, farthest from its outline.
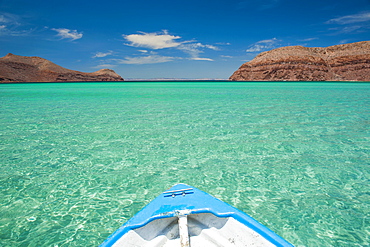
(15, 68)
(349, 62)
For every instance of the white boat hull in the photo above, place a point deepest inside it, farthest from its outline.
(205, 230)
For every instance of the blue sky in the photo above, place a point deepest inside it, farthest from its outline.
(193, 39)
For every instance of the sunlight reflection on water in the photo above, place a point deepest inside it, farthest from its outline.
(78, 160)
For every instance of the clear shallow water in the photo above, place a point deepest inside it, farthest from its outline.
(78, 160)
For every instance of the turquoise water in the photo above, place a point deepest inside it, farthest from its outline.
(78, 160)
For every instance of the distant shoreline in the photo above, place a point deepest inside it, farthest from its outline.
(181, 80)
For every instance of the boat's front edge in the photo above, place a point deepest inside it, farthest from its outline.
(171, 202)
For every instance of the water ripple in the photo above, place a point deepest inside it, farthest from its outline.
(78, 160)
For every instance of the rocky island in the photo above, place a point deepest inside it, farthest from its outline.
(348, 62)
(15, 68)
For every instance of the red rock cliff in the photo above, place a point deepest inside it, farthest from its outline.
(349, 62)
(15, 68)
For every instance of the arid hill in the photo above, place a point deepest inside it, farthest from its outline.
(15, 68)
(349, 62)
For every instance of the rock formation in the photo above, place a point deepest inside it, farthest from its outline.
(349, 62)
(15, 68)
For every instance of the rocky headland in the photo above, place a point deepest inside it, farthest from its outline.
(15, 68)
(348, 62)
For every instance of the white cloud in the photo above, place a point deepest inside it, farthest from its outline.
(153, 40)
(308, 39)
(346, 29)
(349, 29)
(263, 45)
(193, 49)
(10, 25)
(350, 23)
(210, 47)
(3, 19)
(201, 59)
(65, 33)
(9, 18)
(146, 59)
(162, 40)
(222, 43)
(348, 19)
(102, 54)
(10, 31)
